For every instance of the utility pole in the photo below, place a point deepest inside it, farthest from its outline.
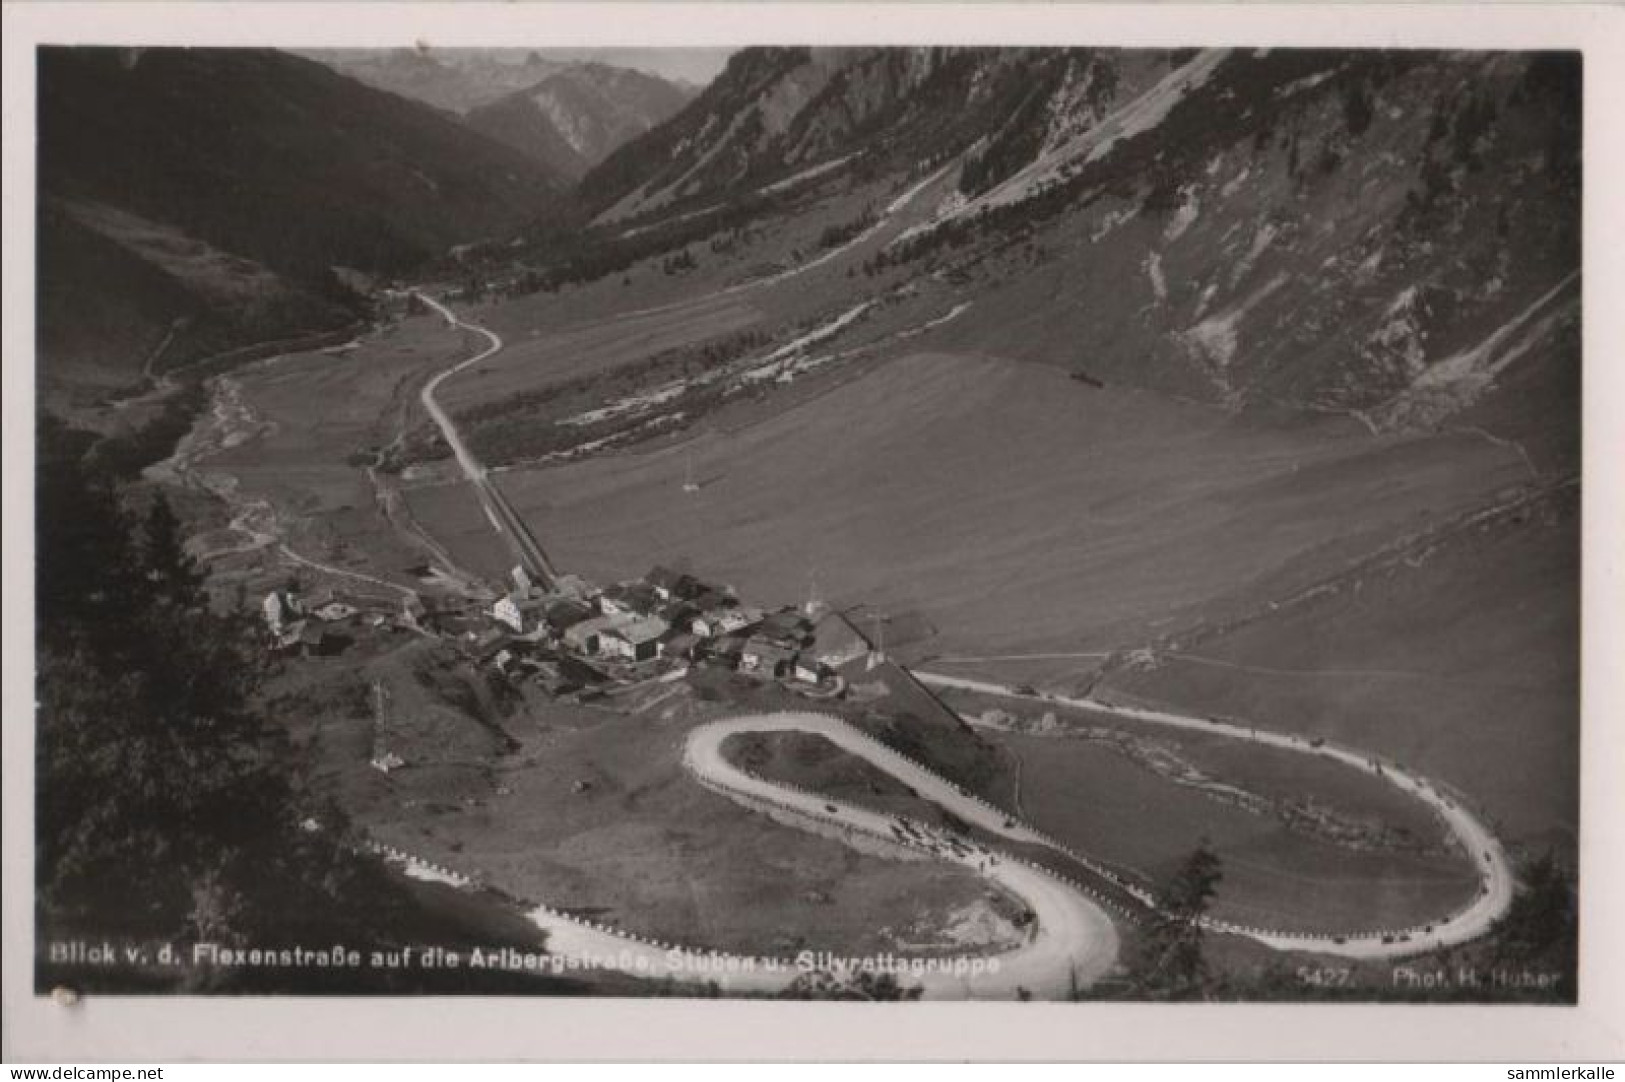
(383, 760)
(815, 604)
(379, 697)
(877, 654)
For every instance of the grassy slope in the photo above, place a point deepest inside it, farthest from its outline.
(1092, 797)
(967, 487)
(614, 321)
(276, 158)
(533, 359)
(812, 762)
(119, 296)
(1114, 810)
(313, 411)
(644, 846)
(1464, 666)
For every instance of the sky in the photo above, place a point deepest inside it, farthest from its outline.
(698, 65)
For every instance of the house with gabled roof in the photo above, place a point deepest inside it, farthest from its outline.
(684, 646)
(520, 612)
(808, 669)
(765, 658)
(837, 642)
(304, 637)
(635, 640)
(281, 607)
(565, 612)
(586, 637)
(731, 621)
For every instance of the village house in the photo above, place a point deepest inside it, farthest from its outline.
(765, 658)
(281, 607)
(413, 610)
(635, 640)
(451, 615)
(506, 611)
(808, 669)
(684, 646)
(565, 612)
(586, 636)
(705, 624)
(304, 638)
(837, 642)
(520, 612)
(729, 621)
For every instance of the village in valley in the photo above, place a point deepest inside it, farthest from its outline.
(573, 640)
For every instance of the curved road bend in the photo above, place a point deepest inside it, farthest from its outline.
(1481, 846)
(504, 519)
(1071, 942)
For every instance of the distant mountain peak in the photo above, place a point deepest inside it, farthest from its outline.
(576, 115)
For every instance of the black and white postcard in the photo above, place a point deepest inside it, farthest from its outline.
(601, 516)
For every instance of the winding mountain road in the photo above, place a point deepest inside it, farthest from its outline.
(1069, 944)
(1072, 942)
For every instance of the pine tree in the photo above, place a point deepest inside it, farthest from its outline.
(1169, 963)
(172, 572)
(1542, 915)
(1357, 109)
(145, 702)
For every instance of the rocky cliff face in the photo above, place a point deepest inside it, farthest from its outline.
(572, 119)
(774, 111)
(1377, 234)
(1386, 234)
